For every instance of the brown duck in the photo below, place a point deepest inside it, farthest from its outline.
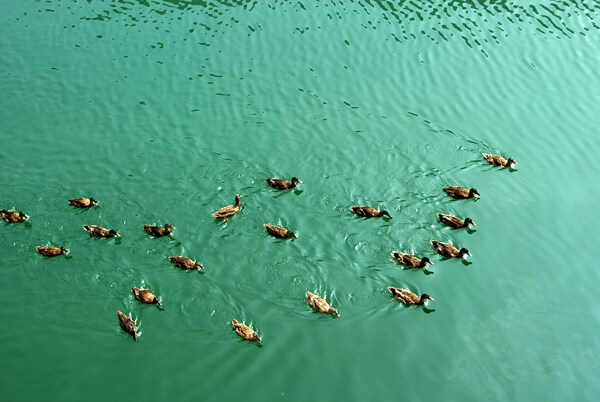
(245, 331)
(127, 324)
(280, 231)
(368, 212)
(497, 160)
(145, 296)
(319, 304)
(229, 210)
(460, 192)
(83, 202)
(409, 298)
(185, 263)
(99, 231)
(410, 260)
(158, 231)
(448, 249)
(49, 251)
(12, 216)
(282, 184)
(455, 222)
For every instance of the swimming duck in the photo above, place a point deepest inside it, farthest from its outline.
(280, 231)
(448, 249)
(83, 202)
(455, 222)
(229, 210)
(497, 160)
(245, 331)
(145, 296)
(410, 260)
(12, 216)
(368, 212)
(282, 184)
(319, 304)
(99, 231)
(409, 298)
(127, 324)
(185, 263)
(158, 231)
(460, 192)
(49, 251)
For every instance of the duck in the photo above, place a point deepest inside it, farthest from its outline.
(448, 249)
(368, 212)
(455, 222)
(280, 231)
(410, 260)
(498, 160)
(158, 231)
(319, 304)
(12, 216)
(99, 231)
(245, 331)
(127, 324)
(408, 297)
(460, 192)
(229, 210)
(185, 263)
(83, 202)
(282, 184)
(50, 251)
(145, 296)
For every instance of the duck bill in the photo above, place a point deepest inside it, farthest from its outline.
(432, 299)
(431, 263)
(118, 235)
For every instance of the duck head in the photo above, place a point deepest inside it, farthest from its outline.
(333, 311)
(510, 162)
(169, 226)
(386, 213)
(114, 233)
(469, 221)
(426, 296)
(473, 192)
(464, 251)
(64, 250)
(425, 260)
(295, 180)
(94, 201)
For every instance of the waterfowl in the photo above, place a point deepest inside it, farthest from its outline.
(410, 260)
(455, 222)
(460, 192)
(280, 231)
(282, 184)
(319, 304)
(145, 296)
(50, 251)
(83, 202)
(158, 231)
(12, 216)
(448, 249)
(368, 212)
(185, 263)
(245, 331)
(127, 324)
(229, 210)
(99, 231)
(498, 160)
(409, 298)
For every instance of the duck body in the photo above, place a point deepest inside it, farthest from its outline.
(12, 216)
(99, 231)
(455, 222)
(145, 296)
(498, 160)
(410, 260)
(245, 331)
(280, 231)
(185, 263)
(460, 192)
(83, 202)
(127, 324)
(368, 212)
(319, 304)
(282, 184)
(158, 231)
(448, 250)
(50, 251)
(229, 210)
(408, 297)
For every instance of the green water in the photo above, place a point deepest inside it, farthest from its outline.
(164, 110)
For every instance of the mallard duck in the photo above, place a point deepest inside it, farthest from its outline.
(455, 222)
(185, 263)
(229, 210)
(280, 231)
(99, 231)
(448, 249)
(49, 251)
(460, 192)
(158, 231)
(145, 296)
(245, 331)
(409, 298)
(128, 324)
(83, 202)
(368, 212)
(410, 260)
(12, 216)
(497, 160)
(282, 184)
(319, 304)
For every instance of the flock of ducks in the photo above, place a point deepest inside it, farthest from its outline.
(318, 303)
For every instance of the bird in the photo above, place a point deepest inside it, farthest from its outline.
(498, 160)
(158, 231)
(185, 263)
(99, 231)
(280, 231)
(410, 260)
(127, 324)
(282, 184)
(448, 249)
(83, 202)
(455, 222)
(368, 212)
(319, 304)
(49, 251)
(145, 296)
(245, 331)
(12, 216)
(409, 298)
(229, 210)
(460, 192)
